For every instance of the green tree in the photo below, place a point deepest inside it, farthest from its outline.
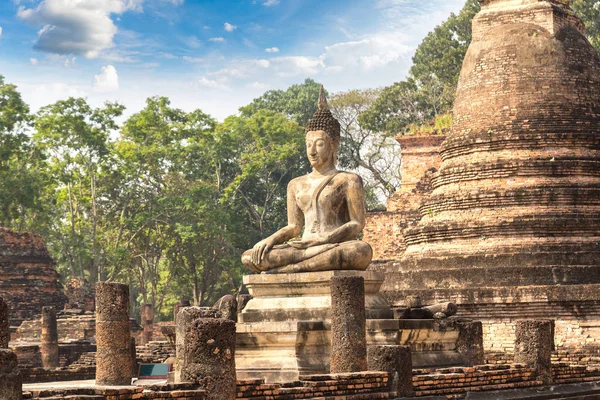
(589, 12)
(298, 102)
(22, 178)
(373, 155)
(74, 137)
(429, 89)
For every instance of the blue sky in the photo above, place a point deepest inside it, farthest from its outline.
(212, 55)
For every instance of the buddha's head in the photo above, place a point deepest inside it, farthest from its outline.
(322, 135)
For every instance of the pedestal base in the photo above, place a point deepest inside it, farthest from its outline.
(284, 331)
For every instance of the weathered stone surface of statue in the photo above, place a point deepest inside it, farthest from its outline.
(330, 204)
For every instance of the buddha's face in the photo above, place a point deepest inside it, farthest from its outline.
(319, 149)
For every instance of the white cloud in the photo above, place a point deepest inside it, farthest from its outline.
(258, 85)
(192, 41)
(269, 3)
(217, 39)
(0, 31)
(167, 56)
(229, 28)
(107, 80)
(176, 2)
(272, 50)
(34, 61)
(69, 62)
(211, 84)
(193, 59)
(82, 27)
(372, 52)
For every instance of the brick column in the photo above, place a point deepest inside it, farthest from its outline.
(470, 342)
(185, 317)
(49, 339)
(348, 332)
(209, 355)
(134, 364)
(533, 346)
(11, 380)
(397, 361)
(4, 332)
(147, 322)
(113, 354)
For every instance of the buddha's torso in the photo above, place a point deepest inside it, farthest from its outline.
(331, 208)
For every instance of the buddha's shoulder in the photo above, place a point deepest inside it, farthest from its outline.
(349, 177)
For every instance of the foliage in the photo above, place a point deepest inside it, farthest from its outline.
(589, 12)
(429, 89)
(374, 156)
(298, 102)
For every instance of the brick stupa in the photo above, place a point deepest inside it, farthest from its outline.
(28, 279)
(512, 227)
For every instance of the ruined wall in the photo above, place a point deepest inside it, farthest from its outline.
(28, 279)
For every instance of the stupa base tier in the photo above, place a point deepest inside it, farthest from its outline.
(282, 351)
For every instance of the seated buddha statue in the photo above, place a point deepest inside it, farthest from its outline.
(330, 204)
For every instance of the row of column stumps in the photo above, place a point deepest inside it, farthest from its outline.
(49, 338)
(205, 349)
(11, 380)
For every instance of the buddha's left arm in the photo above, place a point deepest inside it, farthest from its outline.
(355, 200)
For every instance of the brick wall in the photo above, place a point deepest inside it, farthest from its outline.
(28, 279)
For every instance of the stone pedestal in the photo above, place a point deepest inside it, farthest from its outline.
(49, 342)
(113, 355)
(285, 330)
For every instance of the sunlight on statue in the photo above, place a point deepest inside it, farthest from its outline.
(330, 204)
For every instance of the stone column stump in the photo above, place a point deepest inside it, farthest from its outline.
(533, 346)
(348, 329)
(147, 322)
(397, 360)
(179, 305)
(184, 319)
(49, 339)
(4, 332)
(209, 355)
(11, 380)
(470, 342)
(113, 343)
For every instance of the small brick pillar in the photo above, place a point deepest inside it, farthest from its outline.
(397, 361)
(11, 380)
(533, 346)
(113, 343)
(134, 364)
(470, 342)
(209, 356)
(348, 332)
(147, 322)
(49, 339)
(4, 332)
(185, 317)
(179, 305)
